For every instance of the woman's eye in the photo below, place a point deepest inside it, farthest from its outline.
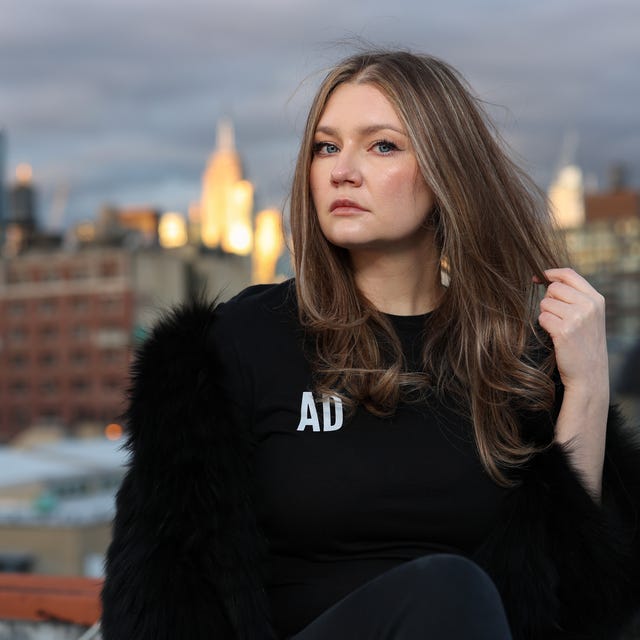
(325, 148)
(384, 146)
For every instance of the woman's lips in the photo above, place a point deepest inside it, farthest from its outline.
(344, 205)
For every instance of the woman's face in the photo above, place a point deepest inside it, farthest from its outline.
(366, 186)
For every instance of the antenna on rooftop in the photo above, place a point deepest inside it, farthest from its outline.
(568, 150)
(58, 206)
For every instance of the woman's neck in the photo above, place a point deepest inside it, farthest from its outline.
(398, 285)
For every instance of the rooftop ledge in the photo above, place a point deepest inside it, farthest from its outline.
(55, 599)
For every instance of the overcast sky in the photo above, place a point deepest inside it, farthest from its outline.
(117, 100)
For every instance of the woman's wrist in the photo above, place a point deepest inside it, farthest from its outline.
(581, 429)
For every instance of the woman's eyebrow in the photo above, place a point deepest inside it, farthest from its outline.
(368, 130)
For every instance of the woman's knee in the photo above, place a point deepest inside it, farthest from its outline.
(454, 578)
(454, 595)
(448, 565)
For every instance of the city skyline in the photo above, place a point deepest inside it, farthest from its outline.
(120, 104)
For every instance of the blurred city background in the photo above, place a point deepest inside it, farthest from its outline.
(146, 149)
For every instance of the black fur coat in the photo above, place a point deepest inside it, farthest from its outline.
(185, 560)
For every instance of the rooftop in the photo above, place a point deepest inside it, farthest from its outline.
(73, 482)
(62, 459)
(49, 608)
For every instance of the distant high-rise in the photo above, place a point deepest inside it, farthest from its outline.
(20, 223)
(3, 209)
(22, 199)
(227, 200)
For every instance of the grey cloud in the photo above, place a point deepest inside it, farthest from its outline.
(121, 98)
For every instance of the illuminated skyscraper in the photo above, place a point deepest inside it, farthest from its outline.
(566, 195)
(227, 200)
(269, 243)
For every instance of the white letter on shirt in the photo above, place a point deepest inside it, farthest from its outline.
(308, 412)
(326, 413)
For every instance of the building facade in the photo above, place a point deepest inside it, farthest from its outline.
(65, 324)
(70, 320)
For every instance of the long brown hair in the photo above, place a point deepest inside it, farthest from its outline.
(494, 232)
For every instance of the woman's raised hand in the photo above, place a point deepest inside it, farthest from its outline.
(573, 313)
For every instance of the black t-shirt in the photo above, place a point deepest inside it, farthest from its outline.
(341, 501)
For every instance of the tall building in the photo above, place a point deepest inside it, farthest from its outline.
(3, 205)
(21, 221)
(607, 253)
(566, 195)
(268, 246)
(227, 200)
(138, 225)
(68, 323)
(65, 330)
(22, 198)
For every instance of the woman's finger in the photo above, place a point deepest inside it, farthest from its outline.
(559, 308)
(571, 278)
(551, 323)
(565, 292)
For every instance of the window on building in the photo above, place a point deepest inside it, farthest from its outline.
(18, 388)
(19, 562)
(18, 360)
(50, 274)
(17, 336)
(109, 268)
(111, 304)
(14, 276)
(50, 415)
(80, 385)
(49, 332)
(16, 309)
(48, 359)
(79, 271)
(79, 357)
(47, 306)
(112, 356)
(112, 384)
(80, 304)
(82, 414)
(73, 487)
(79, 332)
(20, 417)
(48, 387)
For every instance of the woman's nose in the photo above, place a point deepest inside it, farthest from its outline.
(346, 169)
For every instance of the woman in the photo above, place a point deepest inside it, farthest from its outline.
(353, 453)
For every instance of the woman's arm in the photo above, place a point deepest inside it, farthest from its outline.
(573, 313)
(565, 552)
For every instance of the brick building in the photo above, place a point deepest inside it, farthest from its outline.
(69, 321)
(65, 325)
(619, 204)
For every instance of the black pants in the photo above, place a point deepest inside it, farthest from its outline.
(437, 597)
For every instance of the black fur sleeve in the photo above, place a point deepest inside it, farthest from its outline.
(565, 566)
(185, 557)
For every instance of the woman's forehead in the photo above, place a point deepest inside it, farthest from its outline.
(361, 106)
